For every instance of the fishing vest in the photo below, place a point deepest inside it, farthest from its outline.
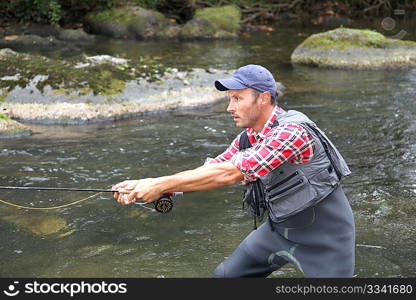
(291, 188)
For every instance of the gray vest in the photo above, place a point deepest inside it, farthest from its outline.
(291, 188)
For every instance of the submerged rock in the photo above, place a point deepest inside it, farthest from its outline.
(39, 224)
(354, 49)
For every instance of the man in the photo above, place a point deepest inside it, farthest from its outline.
(291, 171)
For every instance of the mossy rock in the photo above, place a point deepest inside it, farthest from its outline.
(39, 224)
(221, 22)
(354, 49)
(127, 22)
(12, 129)
(69, 80)
(73, 35)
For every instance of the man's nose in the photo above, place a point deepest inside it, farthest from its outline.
(231, 107)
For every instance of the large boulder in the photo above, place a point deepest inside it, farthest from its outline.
(354, 49)
(127, 22)
(213, 23)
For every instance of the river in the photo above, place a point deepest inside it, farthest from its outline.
(368, 114)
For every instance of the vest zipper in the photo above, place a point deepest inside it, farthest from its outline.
(287, 188)
(283, 181)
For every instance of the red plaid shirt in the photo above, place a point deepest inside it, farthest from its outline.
(271, 147)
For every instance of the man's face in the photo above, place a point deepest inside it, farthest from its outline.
(244, 108)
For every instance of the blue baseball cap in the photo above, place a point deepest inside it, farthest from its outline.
(250, 76)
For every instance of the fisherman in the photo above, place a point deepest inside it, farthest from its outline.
(292, 173)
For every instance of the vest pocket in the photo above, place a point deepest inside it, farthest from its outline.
(290, 197)
(289, 188)
(325, 181)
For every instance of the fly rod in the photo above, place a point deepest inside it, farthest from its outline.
(37, 188)
(162, 205)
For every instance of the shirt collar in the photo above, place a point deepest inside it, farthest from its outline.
(267, 126)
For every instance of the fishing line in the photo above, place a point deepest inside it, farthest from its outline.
(64, 205)
(50, 207)
(162, 205)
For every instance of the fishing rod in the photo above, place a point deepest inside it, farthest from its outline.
(162, 205)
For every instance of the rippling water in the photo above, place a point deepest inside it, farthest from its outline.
(368, 114)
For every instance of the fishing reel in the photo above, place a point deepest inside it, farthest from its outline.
(165, 203)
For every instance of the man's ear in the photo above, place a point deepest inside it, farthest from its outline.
(266, 98)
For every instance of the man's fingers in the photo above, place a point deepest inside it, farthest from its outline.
(120, 187)
(122, 199)
(131, 197)
(126, 193)
(126, 198)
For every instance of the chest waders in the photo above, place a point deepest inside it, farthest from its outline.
(311, 224)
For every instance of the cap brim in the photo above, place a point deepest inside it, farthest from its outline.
(229, 84)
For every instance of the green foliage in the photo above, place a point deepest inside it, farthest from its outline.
(150, 4)
(42, 11)
(55, 11)
(50, 11)
(77, 9)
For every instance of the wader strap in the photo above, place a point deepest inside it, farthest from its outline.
(244, 143)
(253, 189)
(325, 145)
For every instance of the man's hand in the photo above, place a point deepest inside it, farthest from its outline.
(145, 190)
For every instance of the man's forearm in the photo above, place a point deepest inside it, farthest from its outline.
(206, 177)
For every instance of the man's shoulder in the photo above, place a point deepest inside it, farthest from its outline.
(287, 127)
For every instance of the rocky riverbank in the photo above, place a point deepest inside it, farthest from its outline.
(128, 22)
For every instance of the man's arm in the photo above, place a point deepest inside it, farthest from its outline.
(206, 177)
